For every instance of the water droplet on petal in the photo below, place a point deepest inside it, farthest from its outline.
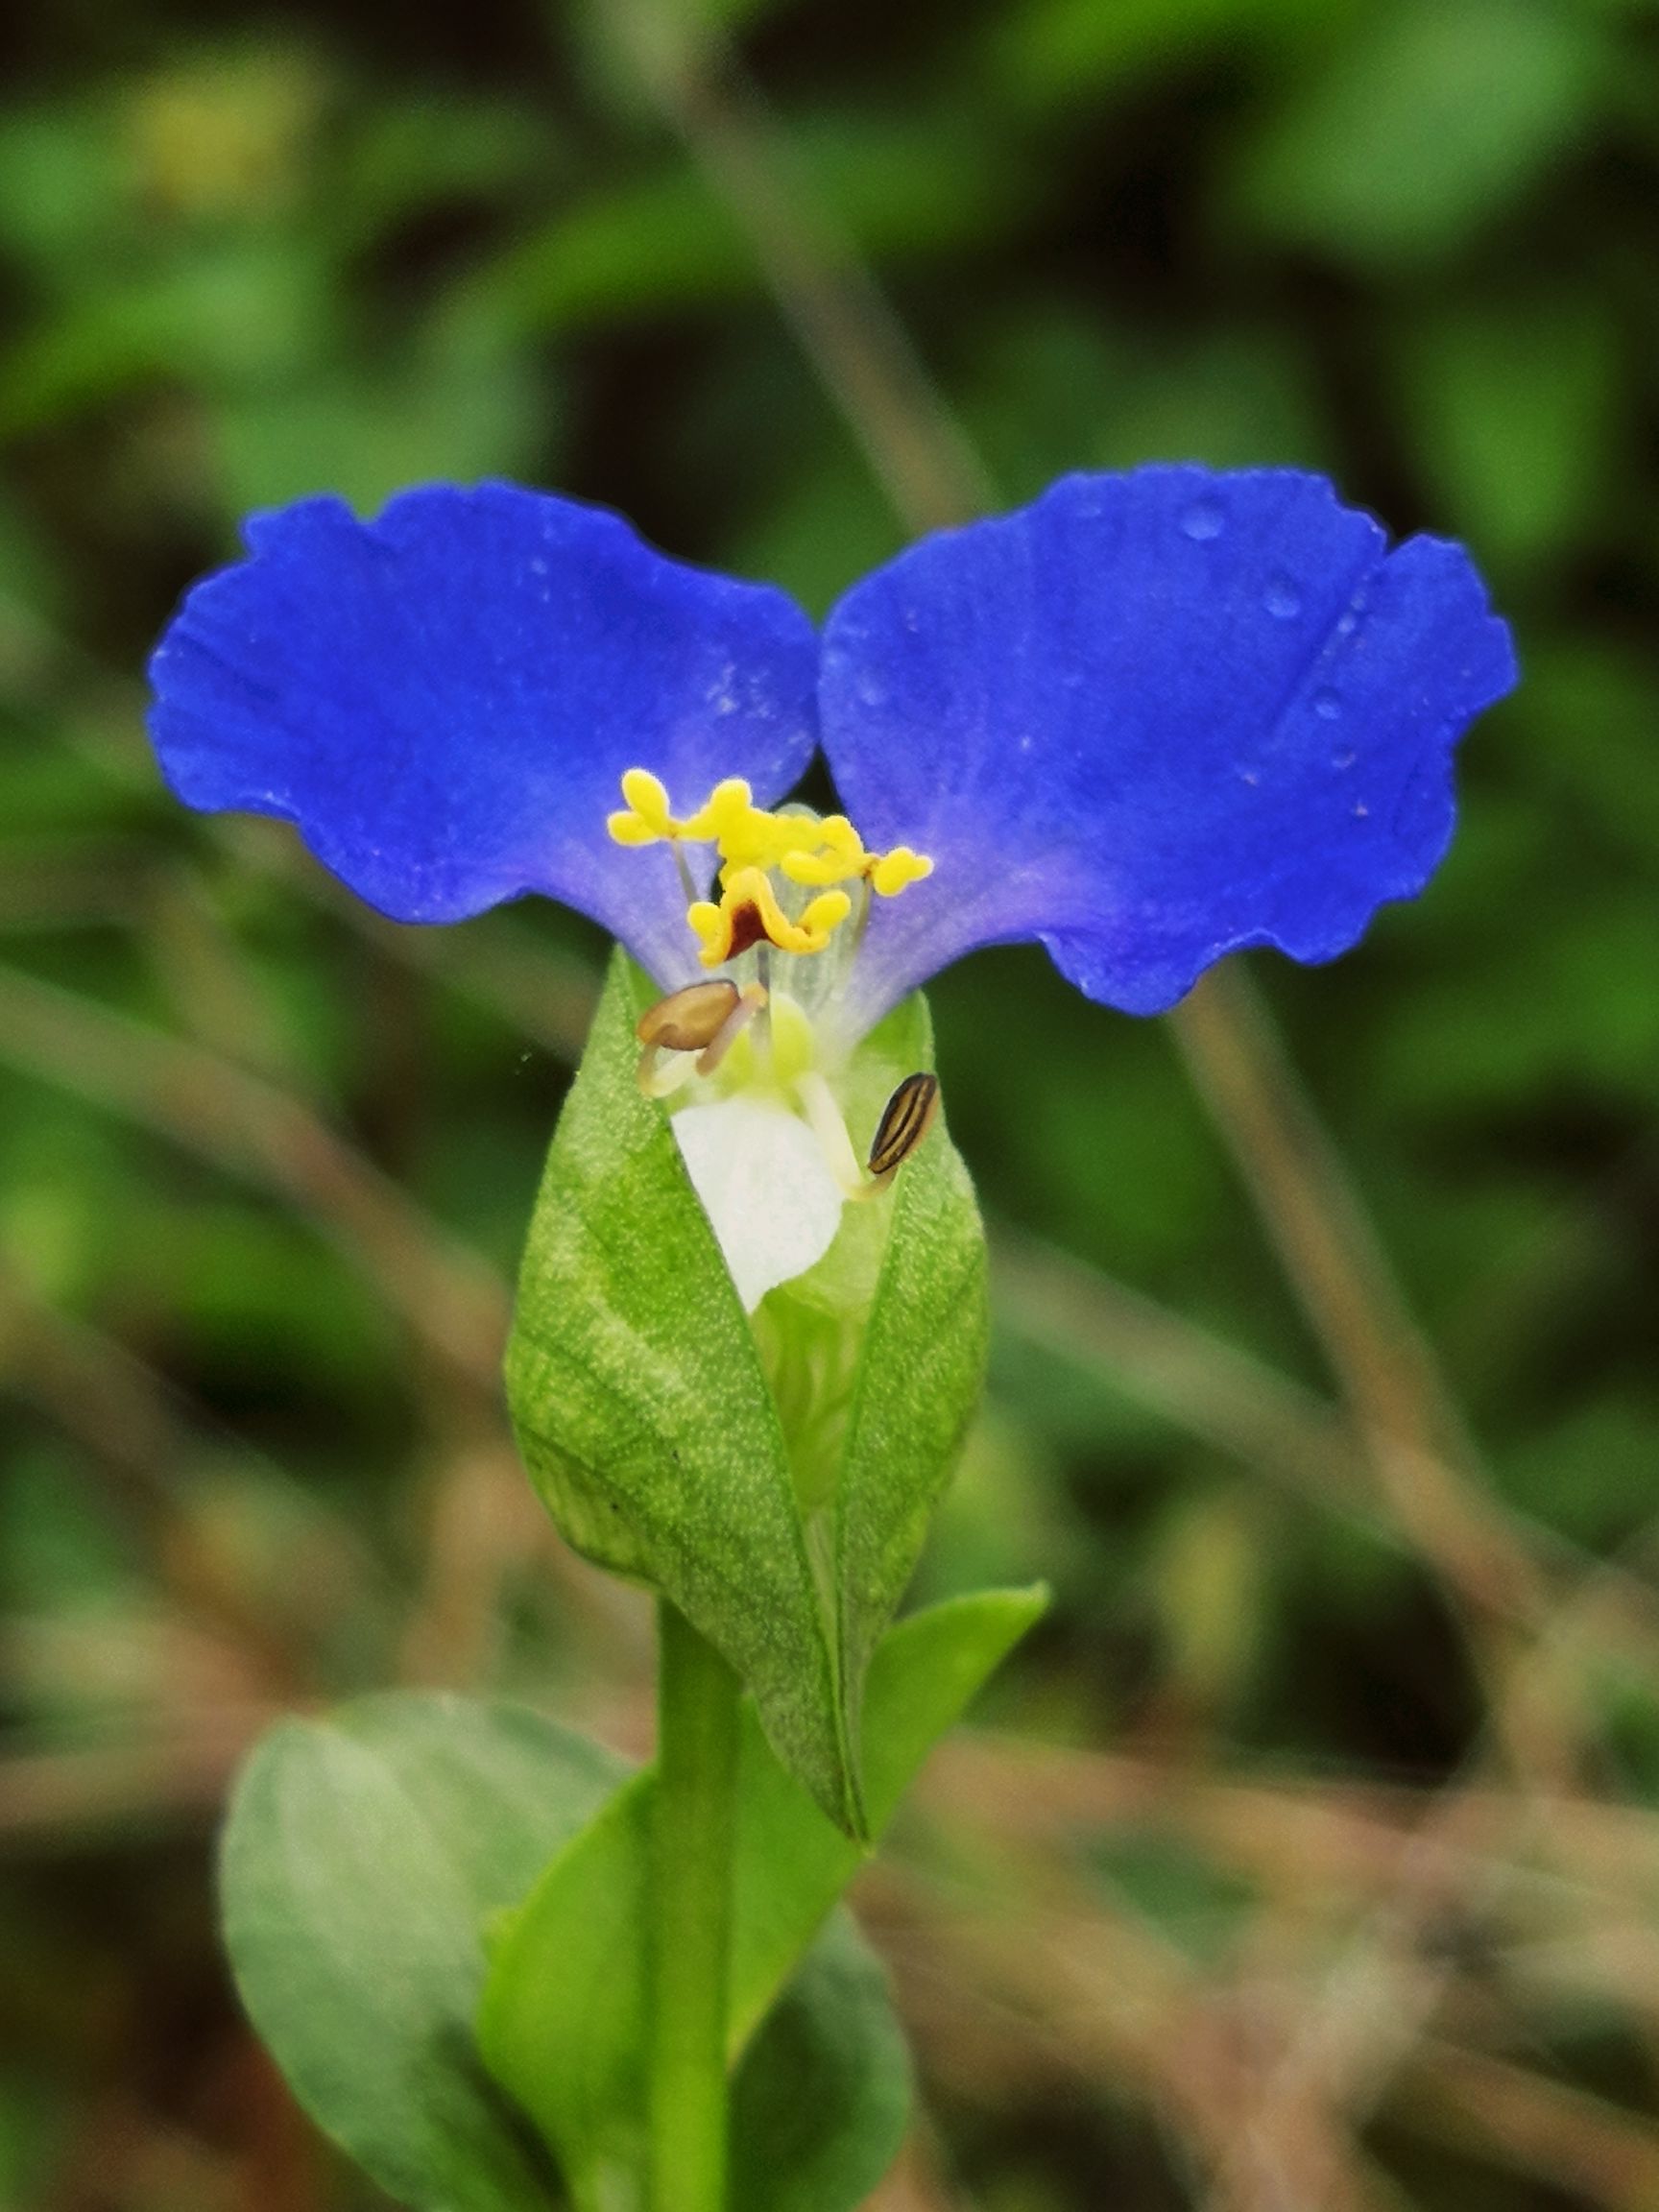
(1283, 599)
(872, 691)
(1360, 810)
(1343, 760)
(1204, 519)
(1327, 706)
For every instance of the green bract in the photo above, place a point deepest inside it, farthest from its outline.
(647, 1407)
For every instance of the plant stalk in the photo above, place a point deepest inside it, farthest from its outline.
(690, 1917)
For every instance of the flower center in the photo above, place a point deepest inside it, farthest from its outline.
(765, 861)
(788, 881)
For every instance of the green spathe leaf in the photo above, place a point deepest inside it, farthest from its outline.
(562, 2025)
(918, 1378)
(640, 1406)
(773, 1480)
(361, 1856)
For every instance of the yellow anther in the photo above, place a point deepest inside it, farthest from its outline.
(843, 856)
(629, 829)
(892, 870)
(725, 807)
(822, 917)
(648, 796)
(645, 820)
(751, 842)
(712, 925)
(757, 839)
(749, 913)
(839, 857)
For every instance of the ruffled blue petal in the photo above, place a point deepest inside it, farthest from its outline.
(444, 700)
(1151, 719)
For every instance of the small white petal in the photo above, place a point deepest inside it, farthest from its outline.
(765, 1187)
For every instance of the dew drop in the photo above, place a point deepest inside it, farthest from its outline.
(1360, 810)
(1283, 599)
(1327, 706)
(1203, 520)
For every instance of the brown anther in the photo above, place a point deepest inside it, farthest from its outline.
(906, 1119)
(689, 1020)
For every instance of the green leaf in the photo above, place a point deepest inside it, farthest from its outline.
(640, 1406)
(901, 185)
(1055, 391)
(822, 2100)
(460, 401)
(362, 1854)
(1518, 413)
(1065, 53)
(562, 2025)
(1429, 121)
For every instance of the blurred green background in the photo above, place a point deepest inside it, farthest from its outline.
(1309, 1856)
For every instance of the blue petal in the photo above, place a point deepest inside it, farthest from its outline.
(444, 700)
(1151, 719)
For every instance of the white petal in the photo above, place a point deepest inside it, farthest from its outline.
(765, 1187)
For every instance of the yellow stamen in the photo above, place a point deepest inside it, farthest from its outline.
(647, 818)
(751, 842)
(727, 806)
(749, 912)
(756, 839)
(892, 870)
(841, 856)
(844, 857)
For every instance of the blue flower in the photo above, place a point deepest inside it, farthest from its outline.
(1148, 720)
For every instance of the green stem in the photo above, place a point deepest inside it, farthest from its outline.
(690, 1917)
